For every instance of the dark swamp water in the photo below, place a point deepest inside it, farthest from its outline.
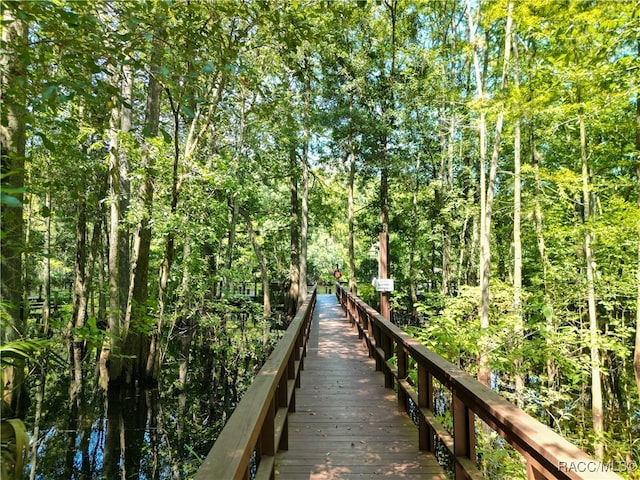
(158, 433)
(126, 434)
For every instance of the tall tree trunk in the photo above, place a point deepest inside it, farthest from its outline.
(26, 273)
(487, 193)
(169, 245)
(46, 306)
(75, 344)
(304, 232)
(484, 372)
(388, 124)
(264, 273)
(200, 124)
(294, 268)
(551, 366)
(110, 365)
(596, 381)
(139, 342)
(446, 175)
(353, 284)
(13, 69)
(447, 264)
(234, 209)
(517, 237)
(413, 289)
(35, 434)
(185, 318)
(124, 255)
(153, 361)
(304, 217)
(636, 353)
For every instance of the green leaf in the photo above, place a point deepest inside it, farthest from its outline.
(47, 143)
(208, 67)
(165, 135)
(187, 111)
(9, 201)
(21, 349)
(15, 455)
(50, 92)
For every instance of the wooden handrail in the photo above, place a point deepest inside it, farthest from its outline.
(547, 454)
(258, 425)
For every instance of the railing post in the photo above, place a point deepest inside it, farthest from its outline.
(298, 353)
(387, 347)
(356, 312)
(425, 400)
(464, 437)
(372, 335)
(534, 471)
(267, 433)
(377, 342)
(291, 375)
(282, 400)
(403, 373)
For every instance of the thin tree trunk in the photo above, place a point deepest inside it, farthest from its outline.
(486, 192)
(46, 306)
(153, 361)
(26, 251)
(517, 237)
(185, 323)
(596, 381)
(200, 124)
(124, 255)
(551, 367)
(13, 69)
(169, 246)
(485, 369)
(636, 353)
(264, 273)
(413, 289)
(446, 175)
(35, 442)
(294, 268)
(353, 284)
(304, 231)
(110, 365)
(388, 123)
(304, 217)
(234, 208)
(75, 344)
(138, 343)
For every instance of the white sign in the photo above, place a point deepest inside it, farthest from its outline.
(383, 284)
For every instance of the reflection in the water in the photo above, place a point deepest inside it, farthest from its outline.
(148, 433)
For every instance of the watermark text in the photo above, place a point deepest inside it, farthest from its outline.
(593, 466)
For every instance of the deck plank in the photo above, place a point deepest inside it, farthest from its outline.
(346, 424)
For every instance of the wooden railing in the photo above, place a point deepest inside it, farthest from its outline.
(247, 446)
(547, 454)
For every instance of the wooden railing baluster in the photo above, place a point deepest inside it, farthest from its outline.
(425, 402)
(403, 374)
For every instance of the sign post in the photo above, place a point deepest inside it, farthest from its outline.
(383, 274)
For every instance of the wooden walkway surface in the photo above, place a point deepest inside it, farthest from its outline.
(346, 424)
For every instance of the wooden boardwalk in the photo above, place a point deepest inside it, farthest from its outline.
(346, 424)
